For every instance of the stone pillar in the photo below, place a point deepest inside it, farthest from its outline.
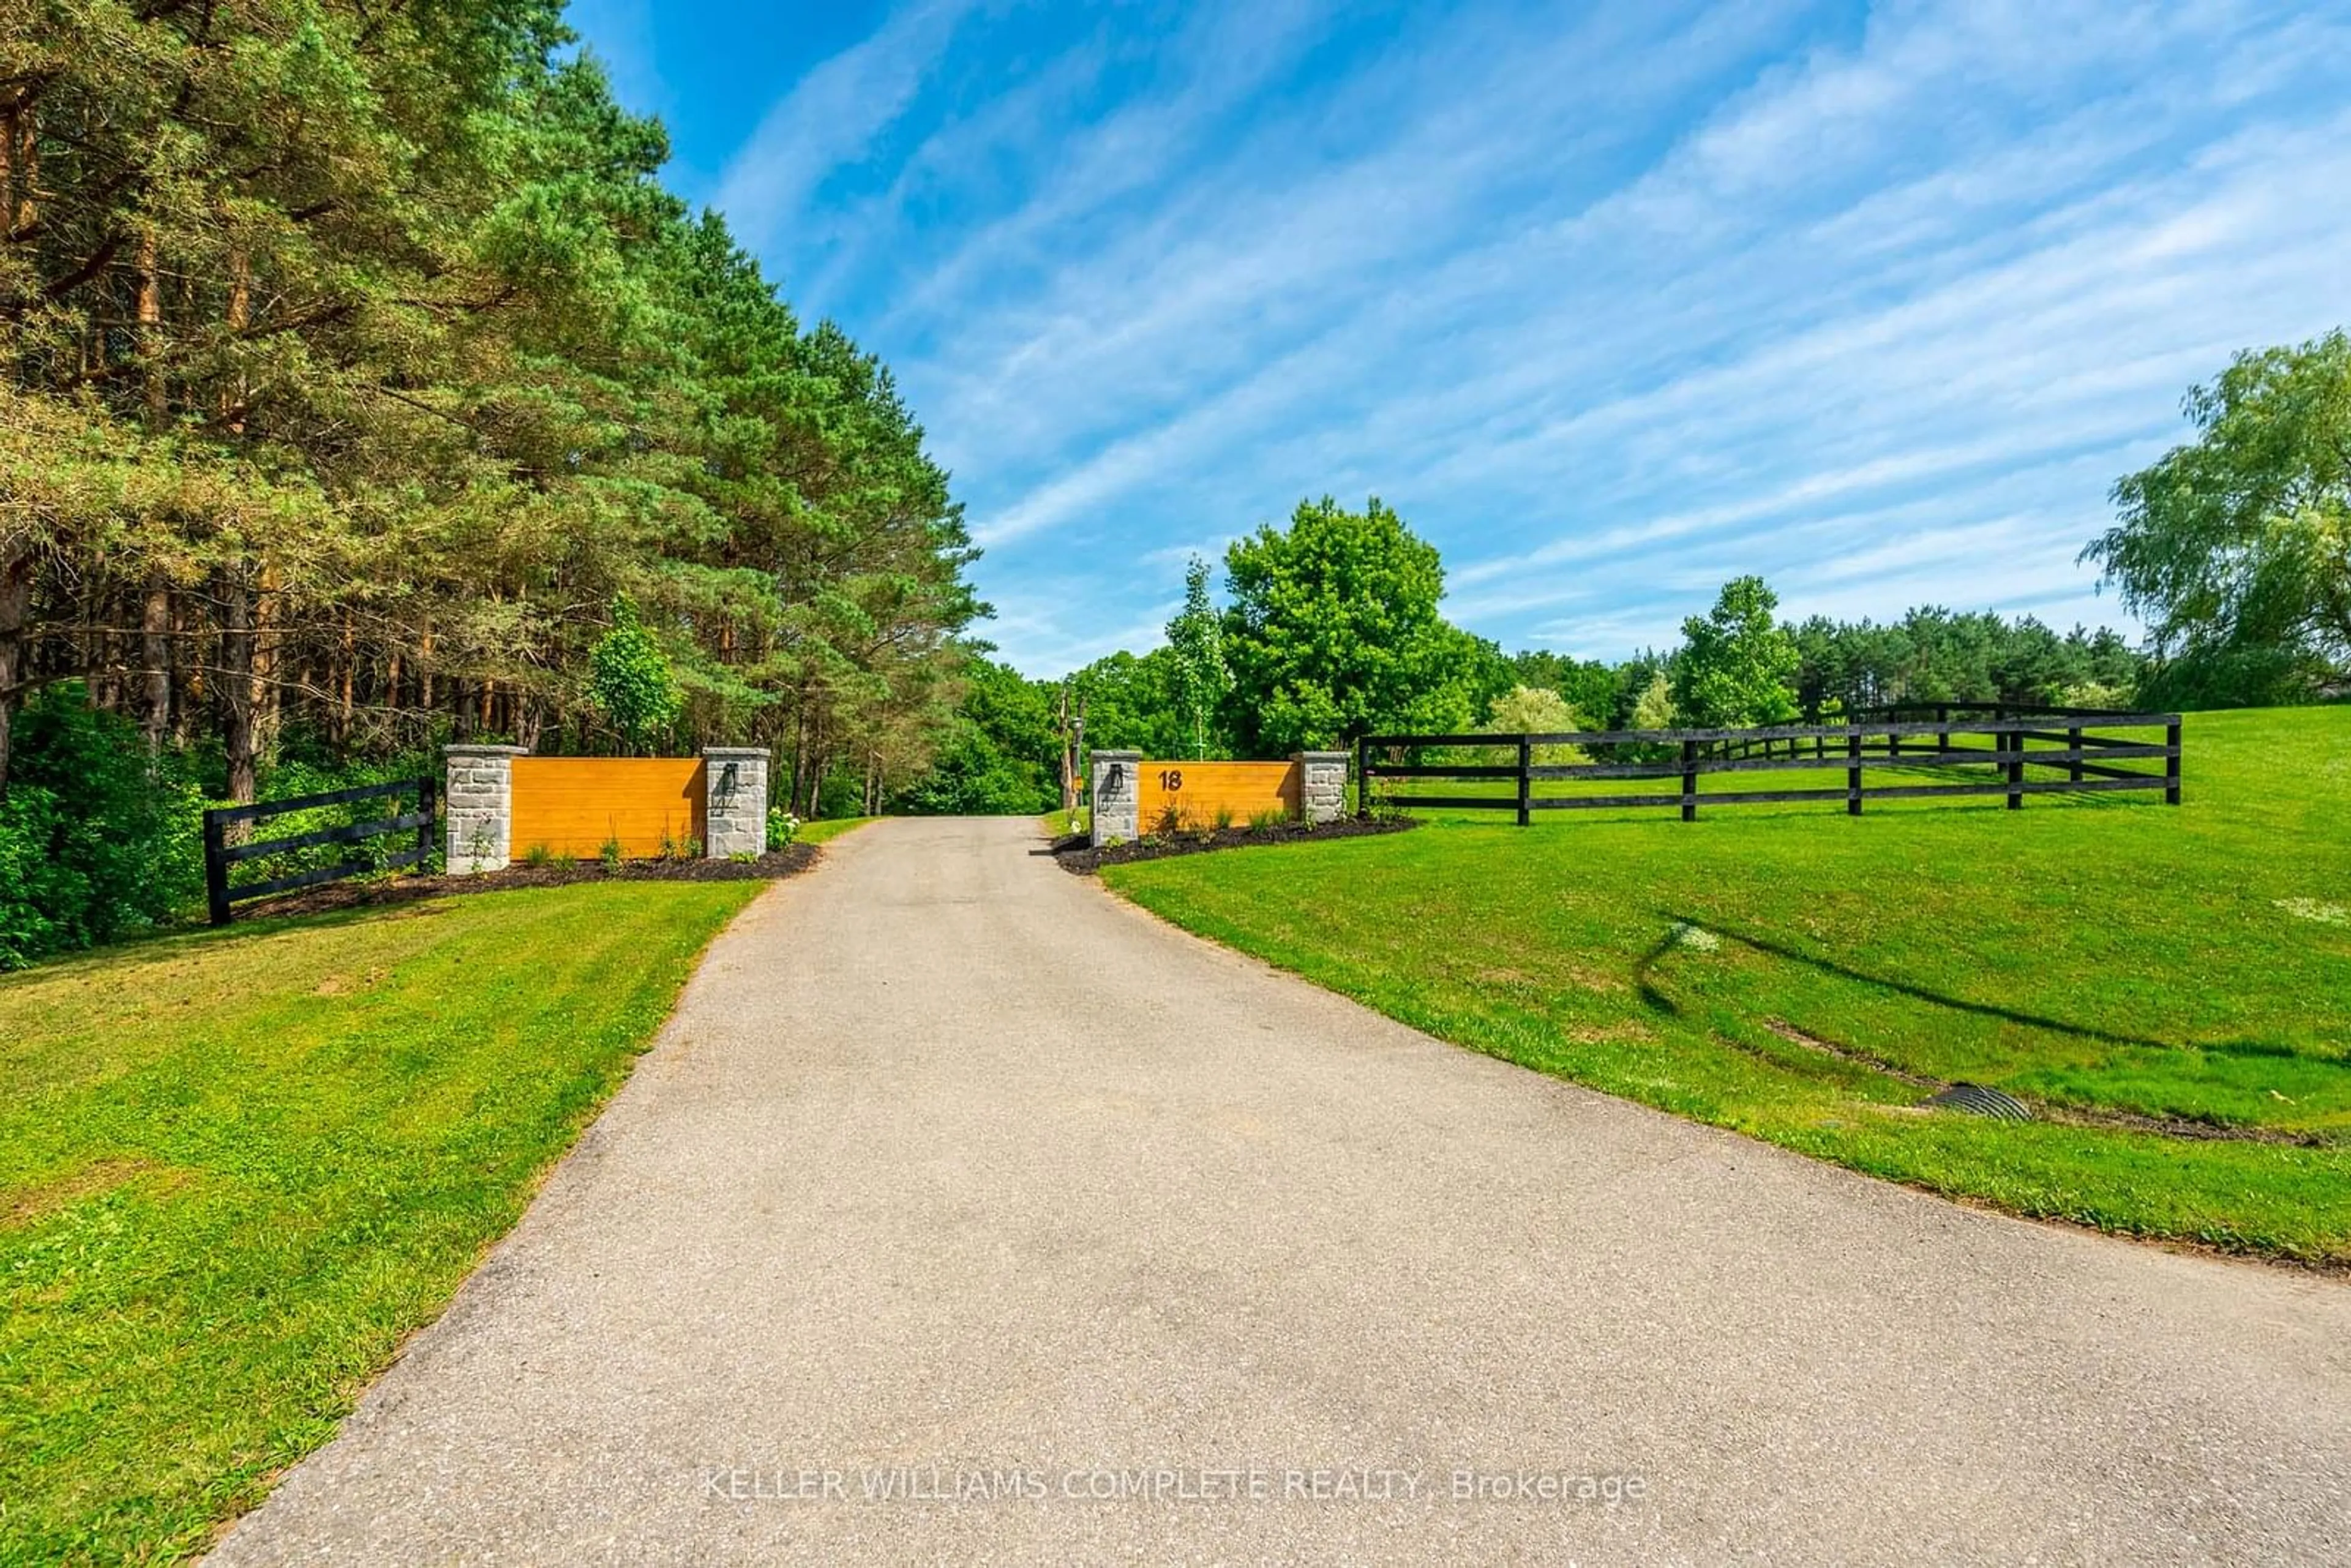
(479, 832)
(1118, 797)
(734, 813)
(1321, 785)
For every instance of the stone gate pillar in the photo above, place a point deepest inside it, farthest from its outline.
(735, 802)
(1118, 797)
(1322, 784)
(478, 833)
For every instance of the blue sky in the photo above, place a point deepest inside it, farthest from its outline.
(1612, 302)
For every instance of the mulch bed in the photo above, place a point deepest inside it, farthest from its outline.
(1074, 854)
(359, 892)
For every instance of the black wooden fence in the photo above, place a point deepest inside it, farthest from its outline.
(2078, 743)
(220, 855)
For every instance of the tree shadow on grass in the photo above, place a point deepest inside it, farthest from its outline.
(1658, 1000)
(187, 941)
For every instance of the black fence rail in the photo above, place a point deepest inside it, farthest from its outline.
(220, 855)
(2078, 743)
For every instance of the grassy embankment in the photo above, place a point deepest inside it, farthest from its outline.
(828, 828)
(237, 1168)
(2170, 989)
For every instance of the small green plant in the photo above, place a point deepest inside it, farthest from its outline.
(1267, 820)
(669, 845)
(692, 847)
(1224, 818)
(539, 855)
(1170, 822)
(609, 853)
(782, 828)
(744, 857)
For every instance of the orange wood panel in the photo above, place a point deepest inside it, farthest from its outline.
(1199, 791)
(571, 805)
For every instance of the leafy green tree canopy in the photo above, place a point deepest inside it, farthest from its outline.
(1737, 666)
(1333, 633)
(629, 680)
(999, 758)
(1196, 642)
(2236, 547)
(1536, 710)
(1130, 704)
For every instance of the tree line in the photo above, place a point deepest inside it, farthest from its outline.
(363, 376)
(2234, 547)
(1333, 628)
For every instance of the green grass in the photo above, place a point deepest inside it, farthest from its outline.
(237, 1167)
(825, 829)
(2105, 957)
(1058, 823)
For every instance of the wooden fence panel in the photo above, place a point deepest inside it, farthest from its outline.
(571, 806)
(219, 854)
(2001, 744)
(1199, 791)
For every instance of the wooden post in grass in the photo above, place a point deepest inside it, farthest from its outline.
(2171, 764)
(1364, 778)
(1943, 738)
(2015, 748)
(1526, 782)
(1853, 774)
(2074, 744)
(428, 790)
(216, 870)
(1689, 781)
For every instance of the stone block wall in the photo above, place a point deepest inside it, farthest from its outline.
(736, 807)
(479, 829)
(1118, 795)
(1322, 784)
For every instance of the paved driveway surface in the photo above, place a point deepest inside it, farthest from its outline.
(955, 1175)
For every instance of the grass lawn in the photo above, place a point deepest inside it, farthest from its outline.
(1058, 823)
(237, 1167)
(828, 828)
(2136, 972)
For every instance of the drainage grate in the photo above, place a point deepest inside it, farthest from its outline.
(1978, 1101)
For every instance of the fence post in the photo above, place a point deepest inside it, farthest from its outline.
(2015, 748)
(1364, 778)
(1943, 736)
(2074, 744)
(1689, 781)
(428, 792)
(216, 870)
(1853, 773)
(2171, 765)
(1526, 783)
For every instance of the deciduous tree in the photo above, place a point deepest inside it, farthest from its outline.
(2236, 546)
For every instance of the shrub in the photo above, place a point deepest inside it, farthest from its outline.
(2094, 694)
(609, 853)
(629, 680)
(95, 841)
(539, 855)
(782, 828)
(1536, 710)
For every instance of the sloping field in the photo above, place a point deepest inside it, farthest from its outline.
(2169, 989)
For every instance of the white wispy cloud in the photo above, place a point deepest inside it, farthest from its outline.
(830, 118)
(1610, 302)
